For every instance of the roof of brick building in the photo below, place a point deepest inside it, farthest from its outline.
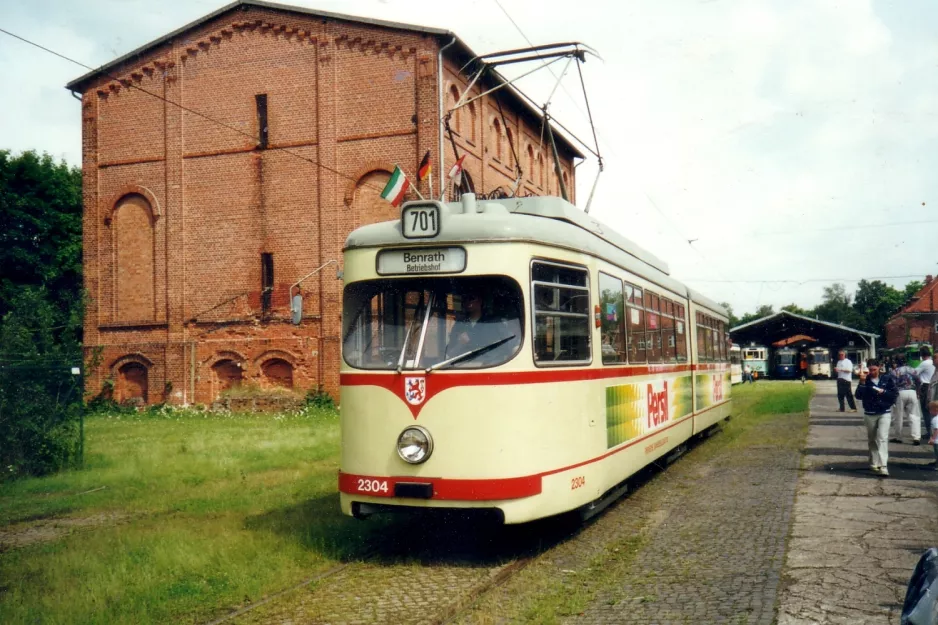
(459, 49)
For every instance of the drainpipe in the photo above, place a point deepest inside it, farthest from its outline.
(439, 86)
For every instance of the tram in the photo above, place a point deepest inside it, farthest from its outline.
(757, 357)
(516, 356)
(785, 363)
(911, 353)
(819, 362)
(736, 367)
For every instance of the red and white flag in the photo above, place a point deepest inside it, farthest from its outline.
(456, 171)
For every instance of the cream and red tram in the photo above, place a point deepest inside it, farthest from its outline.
(515, 355)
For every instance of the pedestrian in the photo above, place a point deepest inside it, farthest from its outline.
(844, 371)
(925, 372)
(747, 374)
(803, 367)
(878, 393)
(933, 440)
(907, 404)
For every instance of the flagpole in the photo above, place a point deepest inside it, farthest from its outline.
(412, 185)
(430, 182)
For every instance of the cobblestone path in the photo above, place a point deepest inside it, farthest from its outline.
(856, 537)
(702, 542)
(716, 554)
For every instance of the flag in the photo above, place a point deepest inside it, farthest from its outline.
(457, 169)
(423, 172)
(395, 188)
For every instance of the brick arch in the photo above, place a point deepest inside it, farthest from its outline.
(224, 355)
(356, 178)
(132, 189)
(275, 353)
(131, 376)
(132, 357)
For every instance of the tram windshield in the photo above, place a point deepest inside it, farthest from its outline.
(819, 358)
(785, 359)
(419, 323)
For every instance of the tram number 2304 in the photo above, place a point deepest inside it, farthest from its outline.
(420, 222)
(372, 486)
(577, 482)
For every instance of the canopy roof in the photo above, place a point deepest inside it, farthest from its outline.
(785, 325)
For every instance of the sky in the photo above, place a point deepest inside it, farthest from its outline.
(763, 149)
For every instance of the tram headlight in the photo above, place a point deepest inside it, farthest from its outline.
(414, 445)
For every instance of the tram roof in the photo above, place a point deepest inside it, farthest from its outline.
(546, 220)
(783, 324)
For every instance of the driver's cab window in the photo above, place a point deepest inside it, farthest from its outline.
(561, 314)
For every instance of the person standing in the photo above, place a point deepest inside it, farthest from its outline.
(925, 372)
(803, 367)
(907, 404)
(878, 393)
(747, 374)
(844, 371)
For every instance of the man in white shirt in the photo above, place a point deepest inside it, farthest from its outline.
(844, 370)
(925, 372)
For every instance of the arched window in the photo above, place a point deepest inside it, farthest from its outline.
(278, 372)
(471, 135)
(540, 170)
(132, 225)
(511, 146)
(367, 204)
(530, 171)
(497, 138)
(454, 120)
(226, 374)
(566, 184)
(132, 383)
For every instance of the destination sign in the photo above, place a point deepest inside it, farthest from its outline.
(432, 260)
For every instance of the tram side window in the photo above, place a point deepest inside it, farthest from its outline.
(721, 335)
(636, 324)
(668, 353)
(680, 336)
(612, 311)
(701, 339)
(652, 327)
(561, 314)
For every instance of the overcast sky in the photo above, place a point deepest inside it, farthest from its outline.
(792, 140)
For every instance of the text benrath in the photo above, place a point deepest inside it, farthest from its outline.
(435, 260)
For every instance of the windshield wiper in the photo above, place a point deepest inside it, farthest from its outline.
(469, 354)
(410, 327)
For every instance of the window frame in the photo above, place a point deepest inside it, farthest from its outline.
(532, 283)
(622, 320)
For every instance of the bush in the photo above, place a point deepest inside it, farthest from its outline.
(318, 398)
(40, 399)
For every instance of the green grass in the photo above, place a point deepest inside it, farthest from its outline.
(177, 516)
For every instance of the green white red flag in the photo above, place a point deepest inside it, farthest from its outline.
(395, 188)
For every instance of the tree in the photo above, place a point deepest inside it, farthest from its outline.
(798, 310)
(765, 310)
(733, 319)
(40, 231)
(876, 302)
(41, 309)
(836, 308)
(911, 289)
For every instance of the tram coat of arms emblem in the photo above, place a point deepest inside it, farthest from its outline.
(415, 390)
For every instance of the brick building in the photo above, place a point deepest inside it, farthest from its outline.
(917, 320)
(228, 159)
